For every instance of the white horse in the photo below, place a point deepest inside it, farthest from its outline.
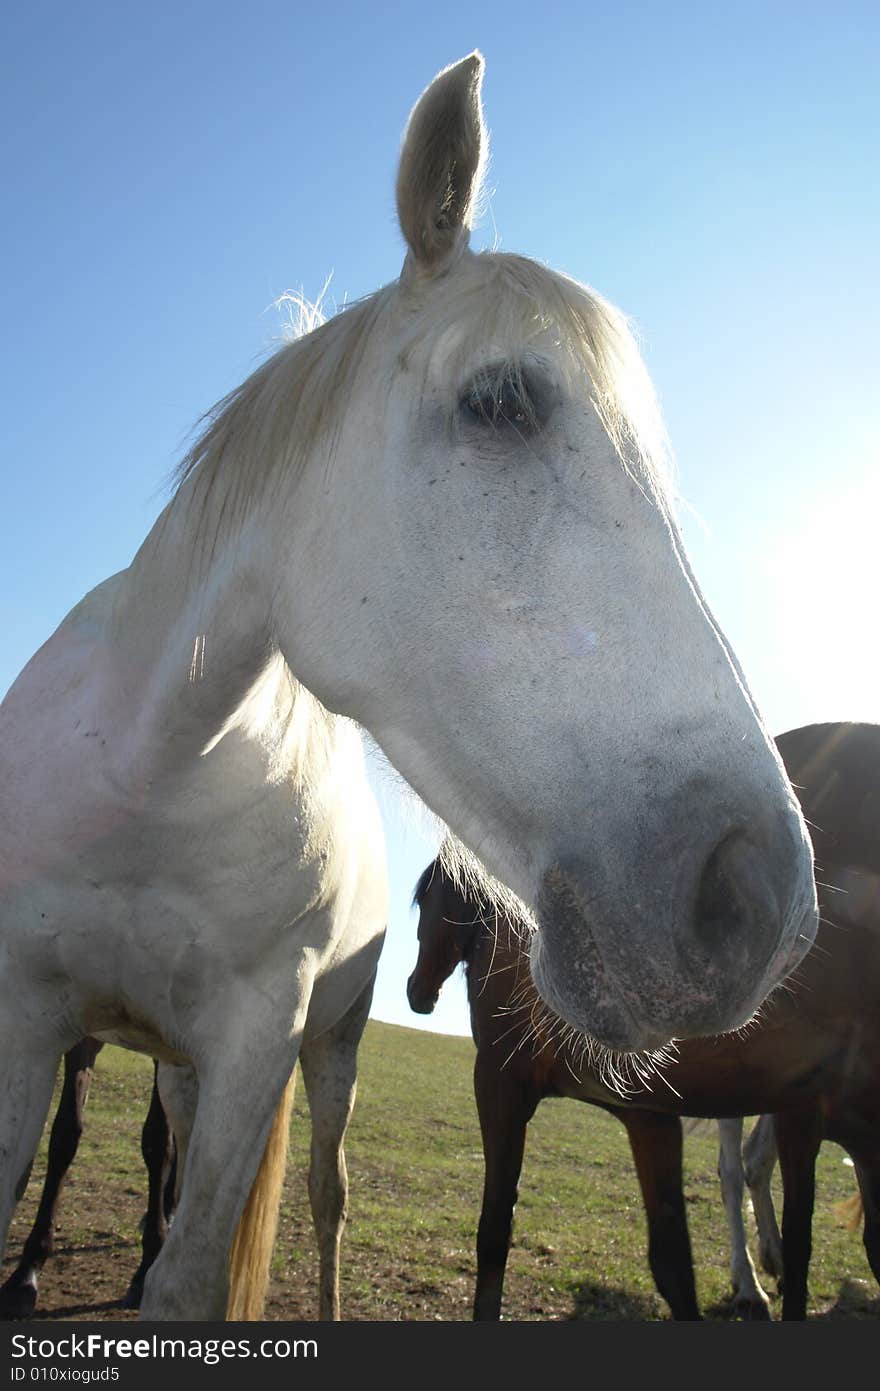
(445, 515)
(749, 1165)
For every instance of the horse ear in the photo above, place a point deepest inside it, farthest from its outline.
(441, 165)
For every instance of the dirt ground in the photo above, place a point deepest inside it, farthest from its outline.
(398, 1263)
(89, 1273)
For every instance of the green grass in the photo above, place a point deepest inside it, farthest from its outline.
(580, 1239)
(416, 1170)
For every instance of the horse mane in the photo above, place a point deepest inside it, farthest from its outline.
(423, 883)
(260, 435)
(469, 876)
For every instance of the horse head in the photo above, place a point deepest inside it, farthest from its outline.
(448, 926)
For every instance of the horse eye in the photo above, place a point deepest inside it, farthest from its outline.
(497, 404)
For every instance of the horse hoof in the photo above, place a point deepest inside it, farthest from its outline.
(134, 1294)
(771, 1264)
(17, 1301)
(751, 1311)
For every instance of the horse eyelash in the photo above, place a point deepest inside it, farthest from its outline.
(500, 400)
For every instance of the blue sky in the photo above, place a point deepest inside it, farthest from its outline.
(171, 170)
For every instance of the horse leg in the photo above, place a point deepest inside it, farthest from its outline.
(29, 1059)
(18, 1297)
(157, 1148)
(169, 1192)
(656, 1144)
(238, 1095)
(750, 1301)
(178, 1090)
(505, 1106)
(759, 1157)
(329, 1069)
(867, 1167)
(798, 1138)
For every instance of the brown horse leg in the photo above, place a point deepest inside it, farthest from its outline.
(798, 1138)
(18, 1296)
(157, 1148)
(505, 1107)
(656, 1144)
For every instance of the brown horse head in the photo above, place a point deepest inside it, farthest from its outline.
(448, 926)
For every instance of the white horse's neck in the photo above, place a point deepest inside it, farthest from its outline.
(189, 638)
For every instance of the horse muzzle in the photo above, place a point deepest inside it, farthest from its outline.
(637, 953)
(421, 1000)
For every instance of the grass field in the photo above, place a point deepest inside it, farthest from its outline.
(415, 1167)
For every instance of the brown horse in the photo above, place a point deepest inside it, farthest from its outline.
(18, 1295)
(812, 1058)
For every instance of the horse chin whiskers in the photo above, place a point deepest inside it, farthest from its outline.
(626, 1074)
(755, 1020)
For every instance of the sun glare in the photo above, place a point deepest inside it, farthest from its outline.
(826, 575)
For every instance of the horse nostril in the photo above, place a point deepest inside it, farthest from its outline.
(722, 904)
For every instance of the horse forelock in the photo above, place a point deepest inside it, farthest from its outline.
(258, 438)
(511, 302)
